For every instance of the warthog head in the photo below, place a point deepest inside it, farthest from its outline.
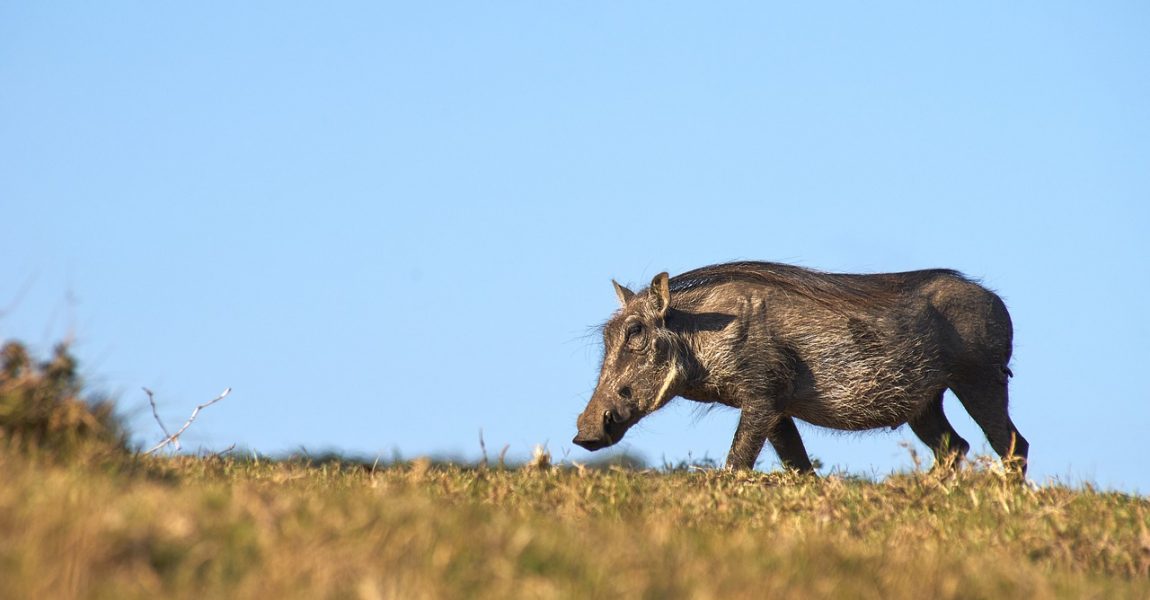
(641, 366)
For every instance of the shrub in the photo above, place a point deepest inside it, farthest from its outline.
(41, 407)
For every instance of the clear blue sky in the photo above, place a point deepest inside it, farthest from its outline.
(391, 225)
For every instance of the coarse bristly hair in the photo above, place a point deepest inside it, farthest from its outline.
(845, 351)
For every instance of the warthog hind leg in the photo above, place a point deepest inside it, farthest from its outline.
(936, 432)
(784, 436)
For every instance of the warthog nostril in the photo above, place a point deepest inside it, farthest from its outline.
(625, 392)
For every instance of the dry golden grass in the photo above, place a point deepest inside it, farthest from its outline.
(223, 527)
(82, 516)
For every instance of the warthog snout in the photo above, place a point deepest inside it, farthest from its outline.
(603, 427)
(591, 444)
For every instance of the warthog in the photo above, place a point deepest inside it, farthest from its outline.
(780, 342)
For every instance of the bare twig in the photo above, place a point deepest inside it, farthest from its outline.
(503, 456)
(483, 449)
(222, 452)
(156, 414)
(175, 437)
(19, 297)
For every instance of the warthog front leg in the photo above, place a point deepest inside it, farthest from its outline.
(986, 400)
(755, 429)
(750, 436)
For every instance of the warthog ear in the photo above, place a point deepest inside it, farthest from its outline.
(623, 293)
(661, 294)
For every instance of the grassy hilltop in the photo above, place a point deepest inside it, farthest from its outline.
(82, 515)
(222, 527)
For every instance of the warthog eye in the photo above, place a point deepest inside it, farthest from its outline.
(633, 330)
